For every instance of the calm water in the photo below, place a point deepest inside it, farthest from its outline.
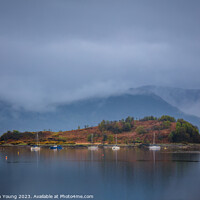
(126, 174)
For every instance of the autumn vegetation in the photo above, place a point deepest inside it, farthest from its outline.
(129, 131)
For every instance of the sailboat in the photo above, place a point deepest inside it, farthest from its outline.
(54, 147)
(59, 147)
(115, 147)
(154, 147)
(93, 147)
(36, 147)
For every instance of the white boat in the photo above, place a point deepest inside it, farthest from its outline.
(93, 147)
(36, 147)
(115, 147)
(154, 147)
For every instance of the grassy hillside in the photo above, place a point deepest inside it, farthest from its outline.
(128, 131)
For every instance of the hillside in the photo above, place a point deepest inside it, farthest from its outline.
(128, 131)
(88, 112)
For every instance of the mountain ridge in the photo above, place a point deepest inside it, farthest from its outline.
(90, 112)
(187, 100)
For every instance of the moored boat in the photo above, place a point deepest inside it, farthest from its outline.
(115, 147)
(154, 147)
(93, 147)
(59, 147)
(53, 147)
(36, 147)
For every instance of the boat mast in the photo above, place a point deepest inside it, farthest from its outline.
(116, 139)
(153, 138)
(37, 139)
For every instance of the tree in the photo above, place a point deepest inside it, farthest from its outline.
(185, 132)
(165, 125)
(105, 137)
(140, 130)
(126, 126)
(147, 118)
(89, 138)
(15, 131)
(167, 118)
(110, 139)
(129, 119)
(102, 126)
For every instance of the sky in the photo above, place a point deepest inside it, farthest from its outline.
(60, 51)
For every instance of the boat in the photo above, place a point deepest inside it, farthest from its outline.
(154, 147)
(93, 147)
(53, 147)
(59, 147)
(36, 147)
(115, 147)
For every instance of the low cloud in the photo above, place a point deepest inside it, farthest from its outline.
(73, 56)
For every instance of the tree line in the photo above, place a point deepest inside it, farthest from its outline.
(123, 125)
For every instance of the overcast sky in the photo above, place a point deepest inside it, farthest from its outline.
(59, 51)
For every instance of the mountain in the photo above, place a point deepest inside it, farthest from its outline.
(89, 112)
(187, 100)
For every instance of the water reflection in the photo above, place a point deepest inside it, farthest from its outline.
(124, 174)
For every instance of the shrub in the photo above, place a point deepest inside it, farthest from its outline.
(147, 118)
(140, 130)
(138, 140)
(110, 139)
(165, 125)
(167, 118)
(185, 132)
(89, 138)
(117, 126)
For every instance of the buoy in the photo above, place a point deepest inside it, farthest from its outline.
(18, 153)
(6, 157)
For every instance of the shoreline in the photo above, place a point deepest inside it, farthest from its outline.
(181, 146)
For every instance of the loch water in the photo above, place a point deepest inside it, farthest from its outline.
(127, 174)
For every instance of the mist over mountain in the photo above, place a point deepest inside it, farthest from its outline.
(187, 100)
(89, 112)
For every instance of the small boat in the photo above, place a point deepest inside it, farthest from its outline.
(59, 147)
(36, 147)
(93, 147)
(53, 147)
(154, 147)
(115, 147)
